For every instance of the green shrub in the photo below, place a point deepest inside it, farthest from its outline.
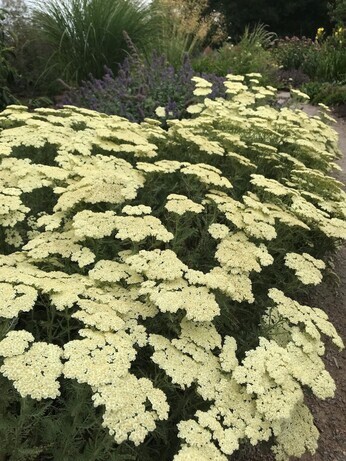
(293, 78)
(155, 272)
(332, 66)
(323, 60)
(329, 64)
(326, 93)
(247, 56)
(337, 11)
(30, 55)
(292, 52)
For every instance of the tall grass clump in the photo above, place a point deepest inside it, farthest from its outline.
(151, 279)
(7, 71)
(86, 35)
(184, 27)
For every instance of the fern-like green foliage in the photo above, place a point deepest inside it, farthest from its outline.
(150, 278)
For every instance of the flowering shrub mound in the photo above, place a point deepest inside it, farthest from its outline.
(168, 264)
(140, 87)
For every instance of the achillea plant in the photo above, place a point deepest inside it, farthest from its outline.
(157, 271)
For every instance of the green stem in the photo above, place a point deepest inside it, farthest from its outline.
(20, 423)
(50, 318)
(68, 324)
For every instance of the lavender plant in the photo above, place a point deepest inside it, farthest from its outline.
(140, 88)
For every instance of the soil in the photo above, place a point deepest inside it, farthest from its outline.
(340, 110)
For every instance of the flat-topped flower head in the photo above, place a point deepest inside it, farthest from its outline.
(203, 87)
(300, 95)
(16, 298)
(180, 205)
(231, 250)
(306, 267)
(157, 264)
(35, 372)
(15, 343)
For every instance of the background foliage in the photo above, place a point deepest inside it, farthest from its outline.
(294, 17)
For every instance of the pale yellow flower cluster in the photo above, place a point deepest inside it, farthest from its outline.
(296, 435)
(255, 218)
(203, 87)
(231, 250)
(61, 243)
(314, 216)
(198, 303)
(13, 237)
(299, 94)
(207, 174)
(157, 264)
(306, 268)
(271, 186)
(218, 231)
(16, 298)
(201, 142)
(61, 129)
(26, 280)
(233, 414)
(12, 210)
(110, 271)
(136, 210)
(103, 360)
(273, 376)
(135, 228)
(15, 343)
(35, 371)
(161, 166)
(180, 205)
(315, 320)
(27, 176)
(99, 179)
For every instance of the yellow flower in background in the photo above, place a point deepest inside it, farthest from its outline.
(320, 33)
(339, 31)
(339, 34)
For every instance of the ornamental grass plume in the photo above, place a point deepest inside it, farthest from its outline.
(186, 27)
(86, 35)
(150, 278)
